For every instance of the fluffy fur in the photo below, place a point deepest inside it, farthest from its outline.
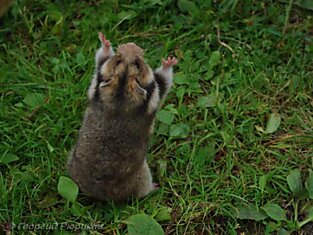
(109, 158)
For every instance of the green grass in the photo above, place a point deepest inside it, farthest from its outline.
(209, 159)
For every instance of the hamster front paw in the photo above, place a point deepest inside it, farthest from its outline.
(106, 45)
(170, 62)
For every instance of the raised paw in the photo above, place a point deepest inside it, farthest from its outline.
(105, 42)
(105, 50)
(170, 62)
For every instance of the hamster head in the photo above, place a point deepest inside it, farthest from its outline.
(125, 78)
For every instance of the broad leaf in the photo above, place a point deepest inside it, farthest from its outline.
(188, 6)
(309, 184)
(262, 182)
(164, 214)
(204, 155)
(181, 79)
(142, 224)
(283, 231)
(180, 92)
(180, 130)
(34, 99)
(209, 75)
(273, 123)
(48, 201)
(162, 167)
(306, 4)
(210, 100)
(274, 211)
(77, 209)
(8, 157)
(214, 59)
(165, 116)
(59, 19)
(67, 188)
(294, 182)
(80, 58)
(163, 129)
(171, 108)
(251, 212)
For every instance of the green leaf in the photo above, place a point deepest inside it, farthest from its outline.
(142, 224)
(262, 182)
(165, 116)
(180, 92)
(162, 167)
(259, 128)
(294, 182)
(271, 227)
(8, 157)
(188, 6)
(48, 201)
(208, 101)
(180, 130)
(306, 4)
(274, 211)
(55, 60)
(164, 214)
(309, 184)
(283, 231)
(273, 123)
(181, 79)
(214, 59)
(171, 108)
(58, 26)
(203, 155)
(19, 104)
(67, 188)
(126, 15)
(80, 58)
(34, 99)
(58, 17)
(251, 212)
(209, 75)
(163, 129)
(76, 209)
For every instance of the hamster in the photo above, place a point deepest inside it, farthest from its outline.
(108, 161)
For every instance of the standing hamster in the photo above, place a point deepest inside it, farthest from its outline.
(109, 158)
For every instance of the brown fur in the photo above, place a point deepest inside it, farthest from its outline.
(109, 158)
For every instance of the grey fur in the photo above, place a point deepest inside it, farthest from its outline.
(109, 158)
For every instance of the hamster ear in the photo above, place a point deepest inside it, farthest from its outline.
(141, 91)
(105, 83)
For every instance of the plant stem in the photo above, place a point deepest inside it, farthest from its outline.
(287, 15)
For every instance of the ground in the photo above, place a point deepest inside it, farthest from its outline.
(237, 121)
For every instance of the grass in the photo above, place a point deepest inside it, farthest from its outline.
(208, 156)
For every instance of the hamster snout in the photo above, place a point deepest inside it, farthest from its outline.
(126, 76)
